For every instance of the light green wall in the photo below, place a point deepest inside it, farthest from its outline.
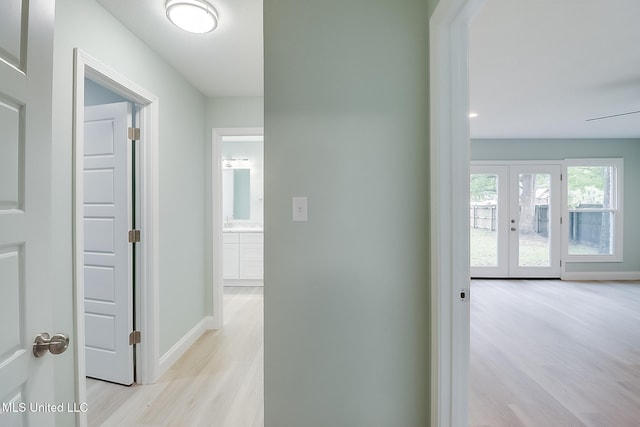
(558, 149)
(235, 112)
(85, 24)
(94, 94)
(432, 6)
(347, 293)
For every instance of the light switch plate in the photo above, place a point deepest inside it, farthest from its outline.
(300, 209)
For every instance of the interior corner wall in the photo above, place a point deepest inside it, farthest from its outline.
(558, 149)
(347, 293)
(86, 25)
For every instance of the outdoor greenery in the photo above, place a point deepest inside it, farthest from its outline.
(588, 185)
(483, 188)
(534, 249)
(484, 248)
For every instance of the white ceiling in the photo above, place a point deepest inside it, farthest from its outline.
(538, 69)
(225, 62)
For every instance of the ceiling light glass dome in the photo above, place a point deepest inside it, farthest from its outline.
(194, 16)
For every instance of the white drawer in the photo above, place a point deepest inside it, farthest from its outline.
(230, 237)
(251, 270)
(251, 252)
(251, 237)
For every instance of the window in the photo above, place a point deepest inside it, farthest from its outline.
(593, 210)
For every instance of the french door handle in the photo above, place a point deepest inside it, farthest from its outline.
(56, 344)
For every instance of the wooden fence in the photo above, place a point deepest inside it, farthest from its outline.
(584, 227)
(483, 217)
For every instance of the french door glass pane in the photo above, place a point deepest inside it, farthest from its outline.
(483, 220)
(534, 248)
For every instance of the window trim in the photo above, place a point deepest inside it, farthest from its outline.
(616, 209)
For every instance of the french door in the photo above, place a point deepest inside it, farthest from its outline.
(514, 220)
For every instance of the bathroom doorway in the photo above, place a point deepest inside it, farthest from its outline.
(237, 211)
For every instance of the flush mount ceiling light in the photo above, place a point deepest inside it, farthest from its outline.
(194, 16)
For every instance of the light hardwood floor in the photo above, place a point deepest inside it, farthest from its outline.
(551, 353)
(543, 354)
(217, 382)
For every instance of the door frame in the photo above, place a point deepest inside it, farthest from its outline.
(146, 295)
(216, 216)
(449, 166)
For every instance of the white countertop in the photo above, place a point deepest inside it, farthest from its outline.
(243, 230)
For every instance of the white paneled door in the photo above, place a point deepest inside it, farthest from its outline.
(108, 279)
(514, 220)
(26, 300)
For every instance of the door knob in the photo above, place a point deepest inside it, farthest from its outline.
(56, 344)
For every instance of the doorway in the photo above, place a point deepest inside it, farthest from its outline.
(514, 220)
(237, 238)
(145, 295)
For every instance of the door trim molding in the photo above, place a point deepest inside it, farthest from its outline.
(553, 162)
(449, 164)
(217, 321)
(146, 305)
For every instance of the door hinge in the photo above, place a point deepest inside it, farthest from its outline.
(134, 338)
(134, 236)
(560, 177)
(134, 134)
(560, 220)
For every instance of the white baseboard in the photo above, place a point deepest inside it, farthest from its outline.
(212, 322)
(178, 349)
(601, 275)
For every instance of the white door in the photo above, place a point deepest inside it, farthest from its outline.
(515, 220)
(534, 221)
(26, 52)
(488, 221)
(108, 279)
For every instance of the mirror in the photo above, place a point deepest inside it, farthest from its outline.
(236, 194)
(242, 181)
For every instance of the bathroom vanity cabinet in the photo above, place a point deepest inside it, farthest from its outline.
(243, 257)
